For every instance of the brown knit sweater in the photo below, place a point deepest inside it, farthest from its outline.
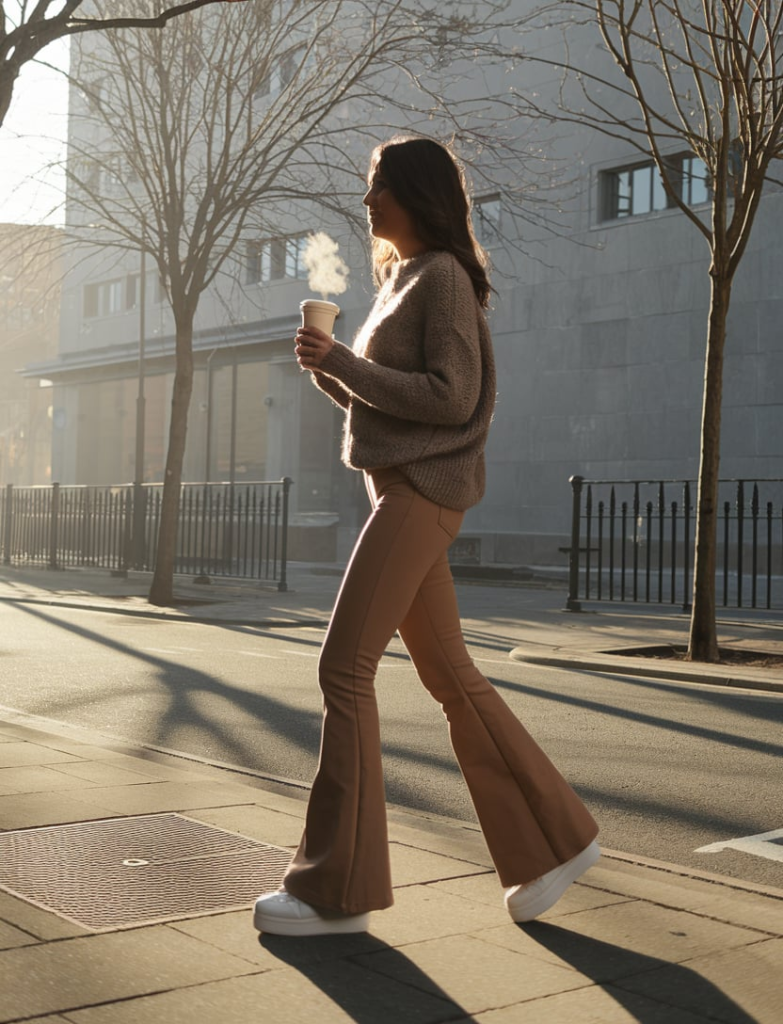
(419, 383)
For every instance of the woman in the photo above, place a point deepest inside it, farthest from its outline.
(418, 388)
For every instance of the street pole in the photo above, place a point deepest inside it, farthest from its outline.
(139, 515)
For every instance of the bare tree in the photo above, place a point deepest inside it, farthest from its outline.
(28, 26)
(236, 118)
(701, 78)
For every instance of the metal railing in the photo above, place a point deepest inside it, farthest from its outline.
(633, 540)
(223, 529)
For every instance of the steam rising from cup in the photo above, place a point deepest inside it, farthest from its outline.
(327, 272)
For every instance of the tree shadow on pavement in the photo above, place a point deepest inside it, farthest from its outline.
(183, 697)
(371, 981)
(651, 990)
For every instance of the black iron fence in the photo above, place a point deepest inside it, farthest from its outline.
(633, 540)
(223, 529)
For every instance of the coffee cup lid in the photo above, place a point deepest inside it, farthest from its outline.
(324, 304)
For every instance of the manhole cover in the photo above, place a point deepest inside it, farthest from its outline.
(120, 872)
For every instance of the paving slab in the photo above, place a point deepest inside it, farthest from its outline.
(411, 866)
(144, 762)
(163, 796)
(613, 940)
(15, 754)
(234, 933)
(578, 897)
(620, 969)
(61, 976)
(604, 1005)
(53, 1019)
(752, 975)
(73, 749)
(477, 975)
(40, 779)
(751, 910)
(28, 810)
(277, 828)
(39, 924)
(99, 773)
(459, 840)
(265, 793)
(11, 937)
(478, 888)
(422, 912)
(334, 993)
(722, 898)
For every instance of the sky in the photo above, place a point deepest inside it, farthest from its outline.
(32, 139)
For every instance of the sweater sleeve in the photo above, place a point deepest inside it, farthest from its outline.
(333, 388)
(447, 390)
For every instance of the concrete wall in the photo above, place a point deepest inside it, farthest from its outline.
(599, 329)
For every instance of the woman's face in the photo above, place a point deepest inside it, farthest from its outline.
(388, 220)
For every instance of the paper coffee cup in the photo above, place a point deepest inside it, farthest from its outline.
(319, 313)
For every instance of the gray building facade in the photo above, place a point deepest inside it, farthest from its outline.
(599, 330)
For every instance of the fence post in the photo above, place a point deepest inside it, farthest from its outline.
(740, 538)
(54, 526)
(283, 581)
(8, 523)
(686, 546)
(573, 604)
(138, 532)
(123, 512)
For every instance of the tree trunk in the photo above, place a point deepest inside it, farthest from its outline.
(8, 77)
(162, 588)
(703, 643)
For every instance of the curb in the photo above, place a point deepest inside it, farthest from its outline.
(172, 615)
(626, 666)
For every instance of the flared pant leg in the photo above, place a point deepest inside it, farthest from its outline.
(531, 818)
(399, 578)
(342, 862)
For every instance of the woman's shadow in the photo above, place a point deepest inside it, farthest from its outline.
(338, 965)
(648, 988)
(394, 989)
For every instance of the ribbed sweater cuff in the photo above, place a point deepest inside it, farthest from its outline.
(338, 361)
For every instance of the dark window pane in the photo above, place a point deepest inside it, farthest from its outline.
(623, 208)
(659, 198)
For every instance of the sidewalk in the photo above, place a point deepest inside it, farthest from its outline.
(528, 617)
(126, 875)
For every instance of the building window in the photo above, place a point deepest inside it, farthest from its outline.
(694, 181)
(86, 172)
(111, 174)
(289, 63)
(132, 291)
(103, 298)
(486, 219)
(95, 94)
(274, 259)
(281, 75)
(263, 87)
(635, 191)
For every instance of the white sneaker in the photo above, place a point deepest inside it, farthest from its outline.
(280, 913)
(525, 902)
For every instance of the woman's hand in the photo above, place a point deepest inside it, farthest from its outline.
(312, 347)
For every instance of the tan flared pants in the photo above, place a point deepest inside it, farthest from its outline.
(399, 579)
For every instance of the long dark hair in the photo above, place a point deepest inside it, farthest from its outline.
(426, 180)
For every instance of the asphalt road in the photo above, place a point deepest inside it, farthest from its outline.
(665, 767)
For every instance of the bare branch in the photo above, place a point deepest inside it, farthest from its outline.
(22, 42)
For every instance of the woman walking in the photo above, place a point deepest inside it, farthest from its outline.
(418, 388)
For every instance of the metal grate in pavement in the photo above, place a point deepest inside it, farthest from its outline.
(121, 872)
